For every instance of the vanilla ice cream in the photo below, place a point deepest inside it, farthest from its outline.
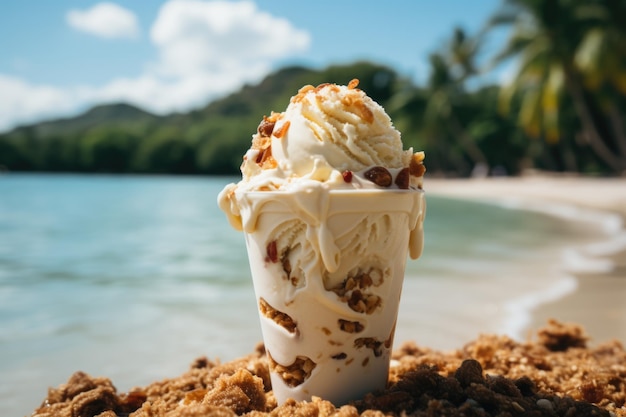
(330, 204)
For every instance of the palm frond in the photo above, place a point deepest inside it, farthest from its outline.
(550, 96)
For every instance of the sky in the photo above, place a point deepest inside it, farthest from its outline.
(59, 58)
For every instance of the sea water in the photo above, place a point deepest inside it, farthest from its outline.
(134, 277)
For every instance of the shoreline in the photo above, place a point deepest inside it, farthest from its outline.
(598, 267)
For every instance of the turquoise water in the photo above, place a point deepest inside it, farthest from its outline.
(134, 277)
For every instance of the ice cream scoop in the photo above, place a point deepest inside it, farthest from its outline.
(331, 136)
(330, 205)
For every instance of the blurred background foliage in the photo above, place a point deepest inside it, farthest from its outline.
(562, 109)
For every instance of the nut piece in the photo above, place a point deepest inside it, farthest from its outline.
(271, 252)
(262, 142)
(266, 127)
(282, 130)
(370, 343)
(350, 326)
(379, 176)
(352, 291)
(280, 318)
(294, 374)
(403, 179)
(416, 166)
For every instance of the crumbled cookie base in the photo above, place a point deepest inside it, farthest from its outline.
(280, 318)
(294, 374)
(492, 376)
(559, 336)
(353, 291)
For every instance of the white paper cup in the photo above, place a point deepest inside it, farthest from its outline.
(328, 268)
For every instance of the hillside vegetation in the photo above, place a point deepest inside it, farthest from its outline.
(562, 110)
(119, 138)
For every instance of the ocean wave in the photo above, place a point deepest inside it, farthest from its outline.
(595, 256)
(519, 310)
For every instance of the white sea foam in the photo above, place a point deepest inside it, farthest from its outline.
(519, 310)
(575, 260)
(611, 246)
(593, 257)
(499, 268)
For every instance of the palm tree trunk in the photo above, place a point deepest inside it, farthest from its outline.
(449, 162)
(467, 142)
(618, 128)
(590, 130)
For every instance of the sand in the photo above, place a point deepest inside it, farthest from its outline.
(597, 305)
(598, 302)
(492, 376)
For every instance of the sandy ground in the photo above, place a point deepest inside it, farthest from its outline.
(599, 303)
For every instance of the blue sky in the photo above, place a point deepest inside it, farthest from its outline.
(60, 57)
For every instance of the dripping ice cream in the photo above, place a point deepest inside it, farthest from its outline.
(330, 205)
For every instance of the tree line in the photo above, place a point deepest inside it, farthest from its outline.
(561, 110)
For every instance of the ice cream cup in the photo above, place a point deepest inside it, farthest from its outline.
(328, 268)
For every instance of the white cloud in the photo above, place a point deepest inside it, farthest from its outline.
(23, 102)
(106, 20)
(205, 49)
(196, 36)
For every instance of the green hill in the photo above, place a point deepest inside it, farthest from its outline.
(112, 114)
(120, 138)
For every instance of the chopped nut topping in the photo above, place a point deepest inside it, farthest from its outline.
(364, 111)
(379, 176)
(294, 374)
(370, 343)
(266, 127)
(272, 252)
(282, 130)
(351, 292)
(286, 263)
(350, 326)
(305, 89)
(280, 318)
(416, 167)
(403, 179)
(263, 143)
(264, 158)
(354, 101)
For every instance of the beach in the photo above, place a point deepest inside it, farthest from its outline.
(599, 267)
(95, 266)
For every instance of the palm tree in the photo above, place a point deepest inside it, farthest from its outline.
(601, 58)
(447, 93)
(546, 37)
